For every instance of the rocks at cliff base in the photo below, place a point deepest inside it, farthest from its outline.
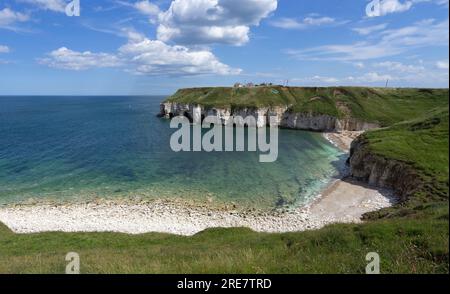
(381, 172)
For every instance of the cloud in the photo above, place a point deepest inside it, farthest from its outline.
(400, 67)
(154, 57)
(212, 21)
(147, 8)
(292, 23)
(442, 2)
(442, 64)
(394, 6)
(316, 79)
(365, 79)
(4, 49)
(424, 33)
(397, 73)
(371, 77)
(9, 17)
(350, 52)
(387, 43)
(52, 5)
(359, 64)
(64, 58)
(384, 7)
(144, 7)
(371, 29)
(143, 56)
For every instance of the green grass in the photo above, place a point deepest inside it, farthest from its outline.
(405, 245)
(385, 106)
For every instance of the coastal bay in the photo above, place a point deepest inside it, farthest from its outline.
(341, 201)
(385, 199)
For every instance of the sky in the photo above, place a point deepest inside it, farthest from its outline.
(134, 47)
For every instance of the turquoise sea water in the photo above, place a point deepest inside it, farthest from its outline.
(75, 148)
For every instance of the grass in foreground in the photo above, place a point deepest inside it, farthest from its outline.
(416, 244)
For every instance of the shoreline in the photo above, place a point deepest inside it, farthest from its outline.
(342, 201)
(335, 205)
(342, 140)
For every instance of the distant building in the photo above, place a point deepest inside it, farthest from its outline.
(251, 85)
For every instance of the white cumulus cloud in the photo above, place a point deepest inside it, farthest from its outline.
(143, 56)
(9, 17)
(212, 21)
(154, 57)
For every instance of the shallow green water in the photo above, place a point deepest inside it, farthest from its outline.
(74, 148)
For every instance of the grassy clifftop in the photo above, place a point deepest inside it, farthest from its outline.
(385, 106)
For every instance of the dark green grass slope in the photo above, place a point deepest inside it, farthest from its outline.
(382, 105)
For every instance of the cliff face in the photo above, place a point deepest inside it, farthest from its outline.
(285, 118)
(382, 172)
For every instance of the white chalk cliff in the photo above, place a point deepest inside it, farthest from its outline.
(284, 117)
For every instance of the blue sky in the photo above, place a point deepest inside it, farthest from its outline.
(127, 47)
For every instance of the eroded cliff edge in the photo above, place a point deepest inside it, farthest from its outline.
(410, 157)
(285, 117)
(382, 172)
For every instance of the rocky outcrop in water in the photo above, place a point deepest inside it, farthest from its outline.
(381, 172)
(285, 117)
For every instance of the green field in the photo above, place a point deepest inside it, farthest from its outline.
(412, 237)
(381, 105)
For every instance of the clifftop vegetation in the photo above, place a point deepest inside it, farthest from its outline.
(385, 106)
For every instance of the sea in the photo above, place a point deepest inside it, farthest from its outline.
(81, 148)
